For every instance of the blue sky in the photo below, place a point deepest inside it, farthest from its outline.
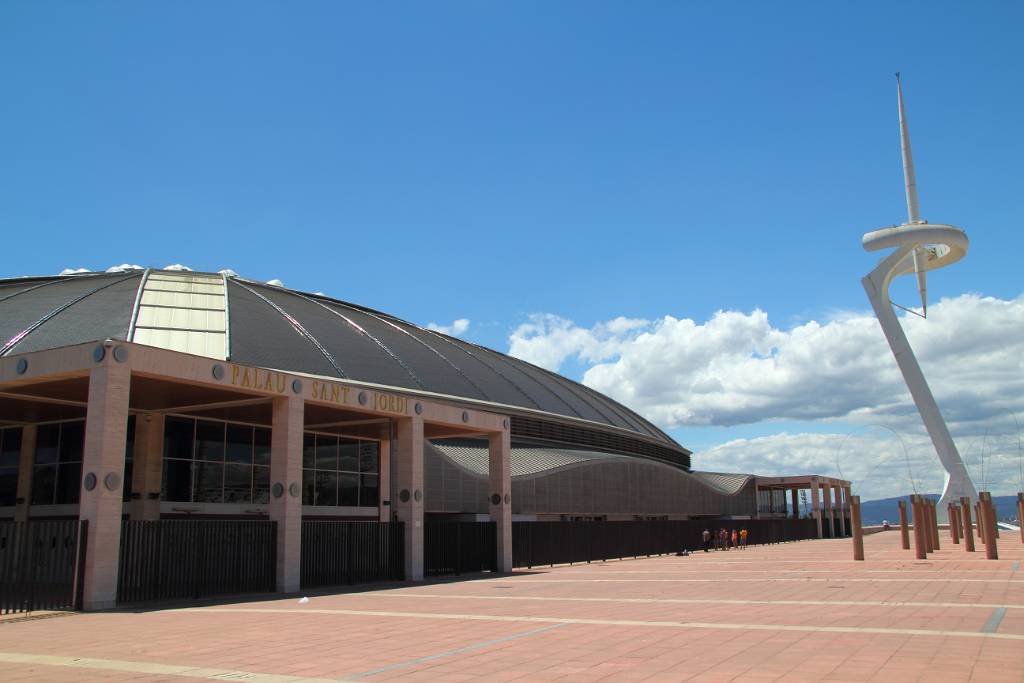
(495, 161)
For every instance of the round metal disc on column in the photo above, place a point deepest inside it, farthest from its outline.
(495, 499)
(112, 481)
(293, 490)
(89, 481)
(22, 366)
(120, 354)
(218, 372)
(418, 495)
(404, 496)
(277, 489)
(296, 386)
(98, 353)
(362, 398)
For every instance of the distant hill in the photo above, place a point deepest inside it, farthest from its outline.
(874, 511)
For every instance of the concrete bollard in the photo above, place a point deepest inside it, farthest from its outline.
(926, 525)
(1020, 514)
(904, 527)
(989, 515)
(858, 532)
(965, 509)
(954, 528)
(933, 517)
(981, 521)
(920, 545)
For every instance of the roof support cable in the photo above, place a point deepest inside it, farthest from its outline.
(54, 281)
(483, 362)
(130, 336)
(18, 338)
(296, 325)
(483, 394)
(369, 336)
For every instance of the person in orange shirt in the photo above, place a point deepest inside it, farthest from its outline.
(743, 538)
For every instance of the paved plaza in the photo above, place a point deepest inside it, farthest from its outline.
(797, 611)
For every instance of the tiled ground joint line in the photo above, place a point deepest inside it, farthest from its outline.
(452, 653)
(154, 668)
(617, 622)
(698, 601)
(764, 580)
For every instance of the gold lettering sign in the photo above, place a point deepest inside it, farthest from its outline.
(254, 378)
(328, 391)
(389, 403)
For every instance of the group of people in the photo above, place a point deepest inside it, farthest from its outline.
(723, 539)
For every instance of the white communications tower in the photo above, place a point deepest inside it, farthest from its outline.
(920, 246)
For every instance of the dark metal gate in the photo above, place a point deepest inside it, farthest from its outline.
(40, 565)
(181, 559)
(457, 547)
(337, 553)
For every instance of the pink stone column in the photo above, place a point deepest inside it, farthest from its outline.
(408, 475)
(500, 479)
(147, 469)
(954, 526)
(384, 481)
(286, 488)
(106, 426)
(920, 535)
(829, 511)
(933, 523)
(843, 500)
(814, 505)
(26, 463)
(1020, 514)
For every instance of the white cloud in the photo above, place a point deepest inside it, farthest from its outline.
(275, 282)
(177, 266)
(737, 368)
(878, 462)
(74, 271)
(123, 267)
(456, 329)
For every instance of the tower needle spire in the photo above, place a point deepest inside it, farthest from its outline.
(909, 178)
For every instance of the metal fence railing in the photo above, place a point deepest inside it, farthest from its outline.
(180, 559)
(459, 547)
(41, 564)
(338, 553)
(546, 543)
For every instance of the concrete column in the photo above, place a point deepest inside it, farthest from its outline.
(929, 537)
(829, 511)
(965, 509)
(409, 479)
(26, 463)
(286, 488)
(858, 532)
(147, 469)
(106, 426)
(795, 494)
(989, 515)
(904, 527)
(920, 545)
(814, 504)
(500, 479)
(844, 500)
(384, 480)
(933, 518)
(981, 521)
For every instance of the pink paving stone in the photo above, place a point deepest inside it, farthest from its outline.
(426, 632)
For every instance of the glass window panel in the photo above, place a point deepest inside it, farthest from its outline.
(326, 488)
(209, 440)
(326, 452)
(369, 491)
(348, 460)
(177, 482)
(309, 451)
(179, 436)
(207, 482)
(44, 482)
(261, 447)
(261, 484)
(368, 456)
(10, 448)
(47, 439)
(237, 483)
(239, 444)
(348, 489)
(8, 485)
(308, 487)
(69, 483)
(72, 441)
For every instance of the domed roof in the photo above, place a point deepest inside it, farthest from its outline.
(222, 315)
